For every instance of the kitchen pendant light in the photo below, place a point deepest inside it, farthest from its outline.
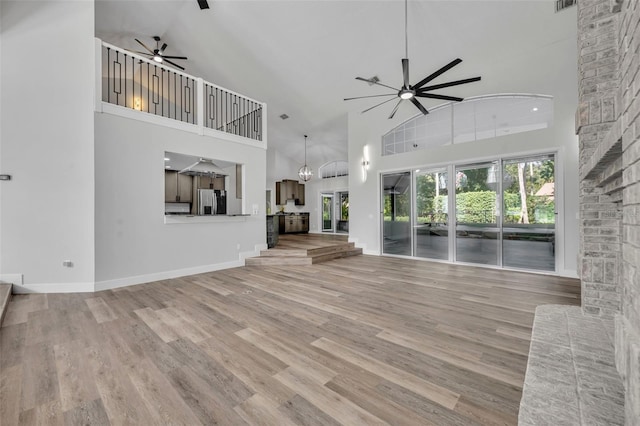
(305, 173)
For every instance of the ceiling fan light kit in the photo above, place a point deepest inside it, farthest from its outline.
(158, 55)
(410, 92)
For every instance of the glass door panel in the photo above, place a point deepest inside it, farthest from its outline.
(396, 213)
(343, 212)
(477, 232)
(529, 213)
(431, 232)
(327, 212)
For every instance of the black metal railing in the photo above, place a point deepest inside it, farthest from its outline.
(131, 81)
(229, 112)
(142, 85)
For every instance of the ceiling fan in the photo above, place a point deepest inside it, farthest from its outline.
(419, 90)
(158, 55)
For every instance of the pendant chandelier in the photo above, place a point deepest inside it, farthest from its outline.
(305, 173)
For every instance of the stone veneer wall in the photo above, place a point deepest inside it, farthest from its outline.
(600, 207)
(608, 124)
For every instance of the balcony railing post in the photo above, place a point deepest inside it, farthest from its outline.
(264, 123)
(200, 105)
(97, 95)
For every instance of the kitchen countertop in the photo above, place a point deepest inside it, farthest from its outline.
(290, 214)
(173, 219)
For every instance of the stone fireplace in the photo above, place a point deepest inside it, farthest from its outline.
(608, 126)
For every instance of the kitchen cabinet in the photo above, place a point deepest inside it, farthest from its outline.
(289, 189)
(299, 200)
(206, 182)
(293, 223)
(178, 188)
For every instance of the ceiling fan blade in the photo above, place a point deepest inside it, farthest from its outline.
(375, 82)
(144, 45)
(173, 63)
(419, 106)
(141, 53)
(381, 103)
(203, 4)
(370, 96)
(164, 46)
(443, 97)
(395, 109)
(449, 84)
(173, 57)
(437, 73)
(405, 72)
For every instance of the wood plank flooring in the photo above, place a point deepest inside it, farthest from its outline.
(364, 340)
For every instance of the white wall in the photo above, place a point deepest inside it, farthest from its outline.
(133, 244)
(46, 80)
(313, 205)
(548, 71)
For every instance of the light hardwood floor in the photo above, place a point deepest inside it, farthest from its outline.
(357, 341)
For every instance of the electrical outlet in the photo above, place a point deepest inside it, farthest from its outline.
(67, 264)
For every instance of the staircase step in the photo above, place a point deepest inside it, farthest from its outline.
(330, 249)
(278, 260)
(283, 253)
(305, 250)
(5, 297)
(336, 255)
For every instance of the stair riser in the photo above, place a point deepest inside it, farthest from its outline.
(278, 261)
(331, 249)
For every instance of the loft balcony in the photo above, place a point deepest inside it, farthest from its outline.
(136, 87)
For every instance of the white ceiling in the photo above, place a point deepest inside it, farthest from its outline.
(301, 57)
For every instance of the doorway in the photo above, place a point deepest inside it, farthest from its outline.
(327, 213)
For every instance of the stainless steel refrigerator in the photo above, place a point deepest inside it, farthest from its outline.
(212, 201)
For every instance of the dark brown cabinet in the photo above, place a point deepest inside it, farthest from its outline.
(289, 189)
(178, 188)
(293, 223)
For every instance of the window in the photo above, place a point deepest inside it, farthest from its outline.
(333, 169)
(471, 120)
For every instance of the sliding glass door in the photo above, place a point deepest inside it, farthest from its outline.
(477, 231)
(431, 230)
(529, 221)
(396, 213)
(504, 213)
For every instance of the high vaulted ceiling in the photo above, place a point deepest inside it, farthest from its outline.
(301, 57)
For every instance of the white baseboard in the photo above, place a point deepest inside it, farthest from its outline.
(53, 288)
(370, 252)
(15, 279)
(165, 275)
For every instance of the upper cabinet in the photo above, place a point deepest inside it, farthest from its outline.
(206, 182)
(299, 201)
(289, 190)
(178, 188)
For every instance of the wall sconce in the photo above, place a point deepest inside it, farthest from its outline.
(365, 162)
(137, 104)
